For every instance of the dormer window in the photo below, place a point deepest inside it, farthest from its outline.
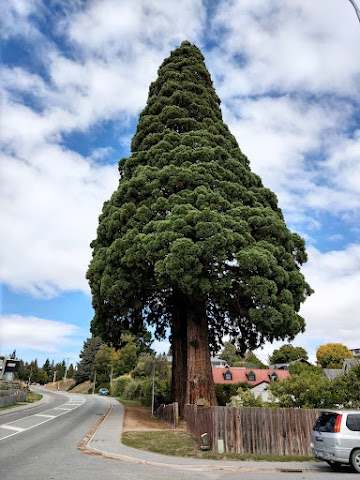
(227, 375)
(273, 377)
(251, 376)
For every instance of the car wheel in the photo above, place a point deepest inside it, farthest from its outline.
(334, 465)
(355, 460)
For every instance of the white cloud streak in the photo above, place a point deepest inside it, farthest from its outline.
(19, 332)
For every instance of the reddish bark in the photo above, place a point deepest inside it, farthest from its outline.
(200, 383)
(179, 351)
(191, 369)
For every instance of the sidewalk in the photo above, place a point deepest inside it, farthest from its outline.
(106, 441)
(26, 406)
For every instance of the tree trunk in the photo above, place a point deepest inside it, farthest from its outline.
(179, 350)
(200, 383)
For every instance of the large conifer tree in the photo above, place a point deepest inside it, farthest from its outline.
(191, 240)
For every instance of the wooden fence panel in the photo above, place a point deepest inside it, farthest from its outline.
(256, 430)
(168, 414)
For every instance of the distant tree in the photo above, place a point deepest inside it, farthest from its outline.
(105, 363)
(299, 368)
(332, 355)
(251, 359)
(23, 371)
(70, 371)
(60, 368)
(191, 240)
(49, 369)
(230, 355)
(127, 355)
(148, 364)
(85, 370)
(287, 353)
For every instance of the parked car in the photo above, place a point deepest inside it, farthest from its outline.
(103, 391)
(335, 438)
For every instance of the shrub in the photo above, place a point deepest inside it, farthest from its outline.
(120, 384)
(224, 392)
(133, 390)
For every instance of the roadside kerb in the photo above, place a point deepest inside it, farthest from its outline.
(104, 439)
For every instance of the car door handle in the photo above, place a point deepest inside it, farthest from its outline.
(318, 439)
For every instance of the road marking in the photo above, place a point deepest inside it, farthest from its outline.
(43, 415)
(46, 417)
(11, 427)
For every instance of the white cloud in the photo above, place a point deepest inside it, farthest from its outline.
(19, 332)
(298, 45)
(331, 313)
(50, 205)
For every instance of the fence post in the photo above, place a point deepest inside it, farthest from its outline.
(176, 414)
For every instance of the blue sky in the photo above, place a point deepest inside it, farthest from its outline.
(74, 78)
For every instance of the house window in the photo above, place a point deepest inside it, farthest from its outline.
(251, 376)
(273, 377)
(227, 375)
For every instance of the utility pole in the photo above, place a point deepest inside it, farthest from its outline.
(93, 391)
(111, 376)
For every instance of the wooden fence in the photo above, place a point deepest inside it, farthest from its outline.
(256, 430)
(169, 414)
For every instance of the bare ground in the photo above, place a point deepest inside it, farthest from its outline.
(139, 418)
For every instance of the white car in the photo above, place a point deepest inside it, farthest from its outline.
(335, 438)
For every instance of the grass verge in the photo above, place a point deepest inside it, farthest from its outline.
(181, 444)
(32, 397)
(144, 432)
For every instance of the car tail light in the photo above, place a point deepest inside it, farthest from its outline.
(337, 424)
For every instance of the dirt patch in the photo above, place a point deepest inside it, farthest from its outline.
(139, 418)
(63, 385)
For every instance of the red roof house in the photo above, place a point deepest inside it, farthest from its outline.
(256, 377)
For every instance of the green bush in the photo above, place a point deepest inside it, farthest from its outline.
(224, 392)
(133, 390)
(120, 384)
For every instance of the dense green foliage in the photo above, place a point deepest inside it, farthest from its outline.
(224, 391)
(287, 353)
(150, 371)
(189, 217)
(309, 388)
(50, 370)
(332, 355)
(86, 366)
(233, 358)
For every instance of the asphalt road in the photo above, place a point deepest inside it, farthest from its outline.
(41, 444)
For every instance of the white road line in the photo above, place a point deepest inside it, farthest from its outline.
(43, 415)
(47, 417)
(11, 427)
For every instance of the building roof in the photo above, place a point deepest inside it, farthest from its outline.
(239, 374)
(332, 373)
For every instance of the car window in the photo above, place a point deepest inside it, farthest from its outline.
(353, 422)
(326, 422)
